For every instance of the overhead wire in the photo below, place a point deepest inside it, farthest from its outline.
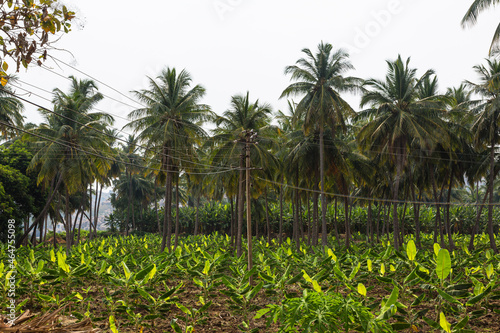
(62, 143)
(110, 135)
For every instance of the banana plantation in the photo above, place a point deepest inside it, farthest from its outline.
(322, 217)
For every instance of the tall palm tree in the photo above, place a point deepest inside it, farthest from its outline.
(470, 18)
(486, 127)
(319, 79)
(399, 119)
(169, 122)
(71, 143)
(229, 140)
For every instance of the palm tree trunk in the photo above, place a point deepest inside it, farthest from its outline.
(239, 250)
(416, 215)
(335, 224)
(176, 213)
(475, 230)
(233, 220)
(268, 227)
(323, 197)
(315, 216)
(43, 212)
(97, 207)
(91, 236)
(156, 210)
(447, 221)
(493, 243)
(68, 224)
(395, 222)
(165, 243)
(347, 223)
(197, 217)
(281, 212)
(309, 226)
(369, 221)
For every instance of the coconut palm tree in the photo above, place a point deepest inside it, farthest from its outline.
(486, 129)
(71, 143)
(319, 79)
(169, 123)
(470, 18)
(399, 119)
(229, 140)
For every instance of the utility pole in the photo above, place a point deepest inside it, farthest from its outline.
(250, 136)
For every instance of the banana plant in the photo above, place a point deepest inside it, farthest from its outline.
(190, 317)
(161, 304)
(240, 291)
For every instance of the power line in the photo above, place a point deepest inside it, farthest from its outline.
(107, 157)
(444, 204)
(110, 135)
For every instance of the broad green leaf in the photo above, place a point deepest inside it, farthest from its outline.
(316, 286)
(382, 269)
(198, 282)
(261, 313)
(126, 270)
(251, 294)
(448, 297)
(184, 309)
(355, 271)
(461, 324)
(411, 250)
(52, 256)
(362, 289)
(112, 324)
(437, 247)
(443, 264)
(369, 264)
(146, 295)
(331, 254)
(489, 270)
(445, 325)
(175, 326)
(61, 262)
(206, 269)
(144, 273)
(306, 276)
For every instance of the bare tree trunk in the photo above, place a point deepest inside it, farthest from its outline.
(268, 227)
(97, 207)
(281, 212)
(315, 216)
(239, 250)
(324, 238)
(369, 229)
(42, 213)
(91, 236)
(176, 213)
(493, 243)
(156, 210)
(347, 223)
(475, 230)
(395, 197)
(447, 221)
(68, 224)
(197, 217)
(309, 226)
(165, 243)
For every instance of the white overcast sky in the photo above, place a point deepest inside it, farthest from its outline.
(231, 46)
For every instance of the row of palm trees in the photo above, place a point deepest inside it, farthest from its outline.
(408, 144)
